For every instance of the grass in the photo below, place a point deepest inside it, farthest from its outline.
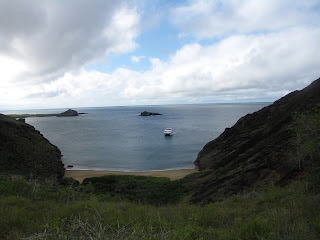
(306, 152)
(142, 189)
(34, 210)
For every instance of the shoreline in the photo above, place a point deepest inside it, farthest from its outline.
(174, 174)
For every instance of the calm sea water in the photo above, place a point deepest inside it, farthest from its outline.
(117, 138)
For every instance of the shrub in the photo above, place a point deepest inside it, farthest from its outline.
(307, 146)
(55, 212)
(151, 190)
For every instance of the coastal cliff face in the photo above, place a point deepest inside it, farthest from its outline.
(24, 151)
(254, 152)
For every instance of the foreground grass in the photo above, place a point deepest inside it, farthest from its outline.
(30, 210)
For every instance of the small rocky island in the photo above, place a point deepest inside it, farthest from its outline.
(68, 113)
(145, 113)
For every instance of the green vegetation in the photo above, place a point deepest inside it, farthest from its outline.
(34, 210)
(131, 207)
(24, 151)
(150, 190)
(306, 152)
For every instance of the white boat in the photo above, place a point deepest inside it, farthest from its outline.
(168, 132)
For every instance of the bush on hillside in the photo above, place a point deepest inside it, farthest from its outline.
(151, 190)
(307, 146)
(38, 210)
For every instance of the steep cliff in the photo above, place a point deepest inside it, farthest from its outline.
(24, 151)
(254, 152)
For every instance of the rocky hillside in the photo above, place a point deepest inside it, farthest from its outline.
(254, 152)
(24, 151)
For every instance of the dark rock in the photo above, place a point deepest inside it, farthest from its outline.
(24, 151)
(145, 113)
(68, 113)
(254, 152)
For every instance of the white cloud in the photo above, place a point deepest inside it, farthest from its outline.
(260, 51)
(261, 66)
(239, 68)
(9, 91)
(216, 19)
(136, 59)
(122, 30)
(53, 37)
(81, 88)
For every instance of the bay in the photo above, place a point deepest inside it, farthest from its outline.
(118, 139)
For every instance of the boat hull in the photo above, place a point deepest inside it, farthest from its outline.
(168, 132)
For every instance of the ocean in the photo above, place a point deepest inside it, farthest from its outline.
(118, 139)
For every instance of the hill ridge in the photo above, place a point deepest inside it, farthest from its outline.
(24, 151)
(254, 152)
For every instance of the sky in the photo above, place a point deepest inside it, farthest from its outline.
(81, 53)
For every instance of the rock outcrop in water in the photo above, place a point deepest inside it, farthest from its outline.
(68, 113)
(254, 152)
(24, 151)
(145, 113)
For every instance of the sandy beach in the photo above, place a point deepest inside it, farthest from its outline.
(80, 175)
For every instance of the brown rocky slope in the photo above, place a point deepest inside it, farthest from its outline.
(24, 151)
(254, 152)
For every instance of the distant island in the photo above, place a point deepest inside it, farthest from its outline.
(145, 113)
(68, 113)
